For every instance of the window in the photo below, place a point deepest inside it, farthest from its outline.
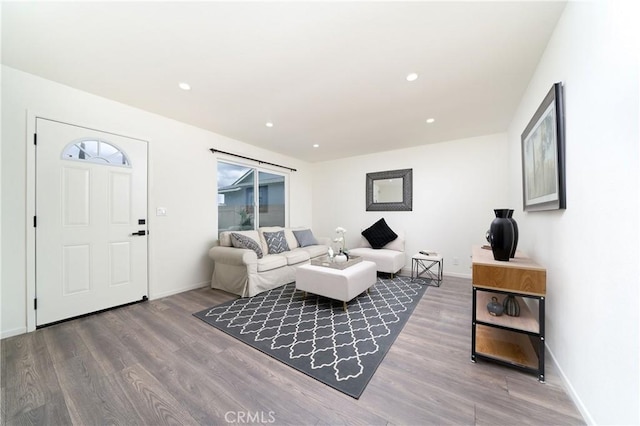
(263, 198)
(95, 151)
(237, 199)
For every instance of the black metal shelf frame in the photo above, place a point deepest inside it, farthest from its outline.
(537, 339)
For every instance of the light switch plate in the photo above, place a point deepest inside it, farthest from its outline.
(161, 211)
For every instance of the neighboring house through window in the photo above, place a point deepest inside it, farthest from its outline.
(237, 199)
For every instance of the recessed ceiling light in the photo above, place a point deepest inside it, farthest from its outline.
(184, 86)
(268, 124)
(412, 77)
(430, 120)
(315, 145)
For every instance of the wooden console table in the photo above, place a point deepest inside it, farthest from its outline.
(513, 341)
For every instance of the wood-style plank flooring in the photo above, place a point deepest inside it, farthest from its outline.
(154, 363)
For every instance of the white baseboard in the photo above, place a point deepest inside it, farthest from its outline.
(405, 272)
(571, 391)
(14, 332)
(154, 295)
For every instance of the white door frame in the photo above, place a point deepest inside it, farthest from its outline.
(30, 232)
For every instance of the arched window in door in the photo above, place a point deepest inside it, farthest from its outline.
(95, 151)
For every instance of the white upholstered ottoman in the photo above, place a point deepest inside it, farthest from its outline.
(338, 284)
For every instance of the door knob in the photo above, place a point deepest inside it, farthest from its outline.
(143, 232)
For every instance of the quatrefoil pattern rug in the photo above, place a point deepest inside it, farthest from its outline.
(315, 335)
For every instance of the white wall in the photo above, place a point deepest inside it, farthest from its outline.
(456, 186)
(182, 178)
(591, 250)
(1, 201)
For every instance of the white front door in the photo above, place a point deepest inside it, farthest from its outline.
(91, 215)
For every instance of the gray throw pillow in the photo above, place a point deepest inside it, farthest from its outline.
(242, 241)
(276, 242)
(305, 238)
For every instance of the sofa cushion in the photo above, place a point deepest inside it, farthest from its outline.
(379, 234)
(288, 234)
(271, 261)
(225, 237)
(243, 241)
(317, 250)
(296, 256)
(305, 237)
(276, 242)
(291, 238)
(397, 244)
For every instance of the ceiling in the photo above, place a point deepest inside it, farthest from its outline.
(326, 73)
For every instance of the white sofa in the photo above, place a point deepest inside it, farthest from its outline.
(389, 259)
(239, 271)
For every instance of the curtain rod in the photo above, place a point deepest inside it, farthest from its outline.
(213, 150)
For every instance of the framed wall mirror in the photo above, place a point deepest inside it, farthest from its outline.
(390, 191)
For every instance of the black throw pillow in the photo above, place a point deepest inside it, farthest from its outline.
(379, 234)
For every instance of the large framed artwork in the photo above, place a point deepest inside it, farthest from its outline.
(543, 156)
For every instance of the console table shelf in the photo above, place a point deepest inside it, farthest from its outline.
(513, 341)
(527, 321)
(506, 346)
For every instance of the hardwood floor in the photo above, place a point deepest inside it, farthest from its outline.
(154, 363)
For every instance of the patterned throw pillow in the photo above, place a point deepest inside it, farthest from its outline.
(379, 234)
(242, 241)
(276, 242)
(305, 238)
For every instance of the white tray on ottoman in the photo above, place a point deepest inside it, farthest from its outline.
(329, 263)
(338, 284)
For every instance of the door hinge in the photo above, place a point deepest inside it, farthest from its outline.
(35, 221)
(35, 139)
(35, 304)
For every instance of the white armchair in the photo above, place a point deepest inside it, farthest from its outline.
(389, 259)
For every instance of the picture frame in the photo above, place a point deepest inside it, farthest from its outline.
(543, 155)
(390, 190)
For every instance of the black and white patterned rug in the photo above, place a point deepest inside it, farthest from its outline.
(315, 335)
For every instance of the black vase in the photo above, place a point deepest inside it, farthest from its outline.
(511, 306)
(501, 235)
(515, 233)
